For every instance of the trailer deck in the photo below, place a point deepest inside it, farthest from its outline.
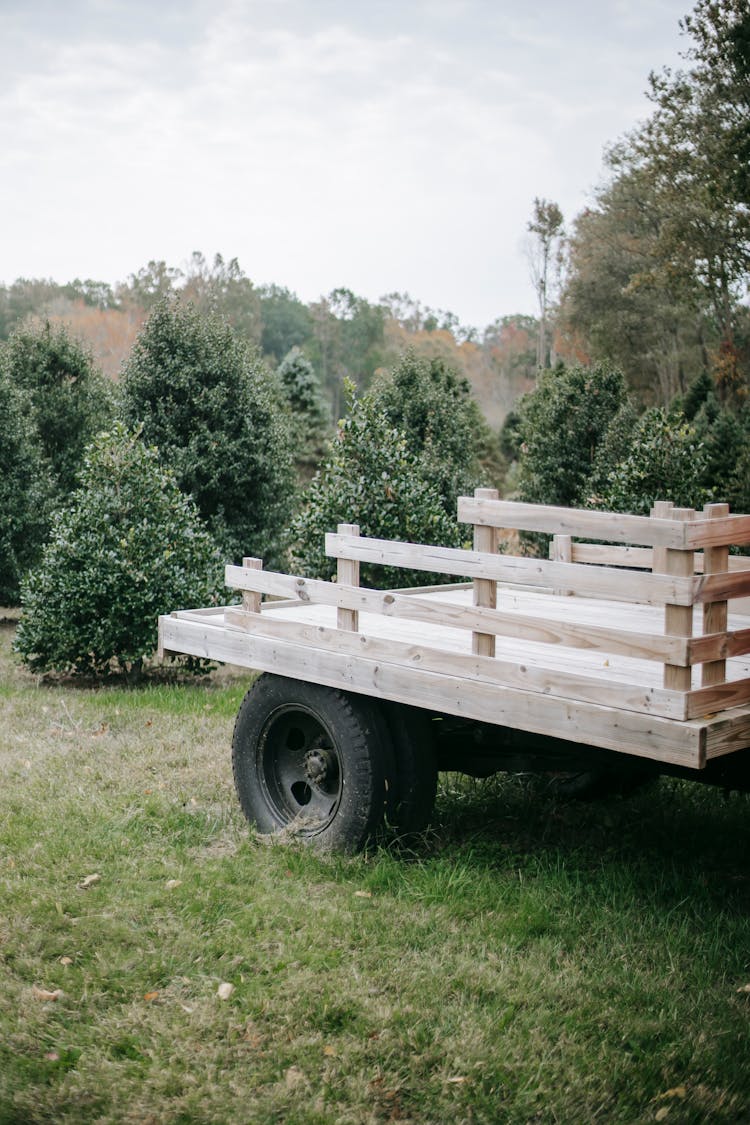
(634, 647)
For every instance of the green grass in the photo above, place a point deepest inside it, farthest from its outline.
(526, 961)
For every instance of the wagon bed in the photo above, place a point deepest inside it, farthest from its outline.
(637, 643)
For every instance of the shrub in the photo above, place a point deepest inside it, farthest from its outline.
(724, 433)
(310, 416)
(67, 398)
(561, 423)
(220, 423)
(665, 461)
(128, 547)
(372, 477)
(443, 425)
(23, 488)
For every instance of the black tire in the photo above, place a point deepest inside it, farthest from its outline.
(412, 802)
(312, 762)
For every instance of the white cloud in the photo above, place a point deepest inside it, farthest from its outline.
(318, 145)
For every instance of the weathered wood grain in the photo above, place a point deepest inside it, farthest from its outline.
(636, 643)
(587, 581)
(628, 731)
(573, 684)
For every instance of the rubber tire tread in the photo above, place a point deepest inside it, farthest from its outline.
(362, 744)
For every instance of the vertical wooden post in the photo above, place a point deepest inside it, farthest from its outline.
(561, 550)
(662, 509)
(678, 619)
(347, 572)
(251, 598)
(485, 589)
(715, 559)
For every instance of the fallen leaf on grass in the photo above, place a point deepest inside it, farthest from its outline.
(675, 1092)
(225, 990)
(150, 996)
(66, 961)
(89, 881)
(363, 894)
(662, 1113)
(172, 883)
(253, 1037)
(45, 994)
(330, 1051)
(293, 1077)
(52, 1056)
(457, 1080)
(745, 988)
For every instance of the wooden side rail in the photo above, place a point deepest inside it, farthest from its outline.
(571, 634)
(666, 573)
(611, 527)
(589, 581)
(639, 558)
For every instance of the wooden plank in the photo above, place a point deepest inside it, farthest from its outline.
(647, 736)
(722, 587)
(614, 527)
(251, 599)
(485, 589)
(603, 554)
(609, 526)
(728, 733)
(714, 613)
(588, 581)
(347, 574)
(730, 530)
(571, 685)
(718, 646)
(561, 550)
(547, 630)
(721, 697)
(678, 619)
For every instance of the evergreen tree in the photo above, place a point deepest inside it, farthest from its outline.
(66, 397)
(443, 425)
(23, 488)
(128, 547)
(218, 419)
(309, 411)
(562, 423)
(374, 477)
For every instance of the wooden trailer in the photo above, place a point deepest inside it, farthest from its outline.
(623, 654)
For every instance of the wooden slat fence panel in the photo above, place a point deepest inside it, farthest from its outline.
(600, 638)
(588, 581)
(613, 527)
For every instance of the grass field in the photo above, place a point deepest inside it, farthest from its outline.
(527, 961)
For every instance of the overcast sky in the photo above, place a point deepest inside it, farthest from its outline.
(376, 144)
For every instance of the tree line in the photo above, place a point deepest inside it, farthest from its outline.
(344, 336)
(121, 501)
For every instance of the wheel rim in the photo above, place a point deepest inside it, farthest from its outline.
(299, 770)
